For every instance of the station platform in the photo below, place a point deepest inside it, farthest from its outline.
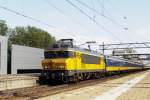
(131, 87)
(17, 81)
(140, 91)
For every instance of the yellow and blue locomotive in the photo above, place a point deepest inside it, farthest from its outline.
(64, 62)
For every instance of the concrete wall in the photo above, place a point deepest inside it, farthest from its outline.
(24, 57)
(3, 55)
(16, 81)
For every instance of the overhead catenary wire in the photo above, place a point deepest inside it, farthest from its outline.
(74, 36)
(72, 19)
(52, 5)
(93, 5)
(124, 17)
(28, 17)
(103, 9)
(36, 20)
(79, 9)
(101, 14)
(60, 11)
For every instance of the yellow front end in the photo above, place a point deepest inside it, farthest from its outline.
(54, 64)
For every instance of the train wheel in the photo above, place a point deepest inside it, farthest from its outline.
(42, 80)
(76, 77)
(81, 76)
(98, 75)
(65, 80)
(88, 76)
(109, 73)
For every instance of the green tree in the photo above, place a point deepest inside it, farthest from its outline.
(31, 36)
(3, 28)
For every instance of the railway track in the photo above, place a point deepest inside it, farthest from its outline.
(35, 92)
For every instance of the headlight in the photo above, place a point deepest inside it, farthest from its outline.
(45, 67)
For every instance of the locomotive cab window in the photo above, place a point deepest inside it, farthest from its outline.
(58, 54)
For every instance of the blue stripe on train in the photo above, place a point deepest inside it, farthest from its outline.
(120, 62)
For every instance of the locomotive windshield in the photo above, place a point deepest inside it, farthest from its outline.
(58, 54)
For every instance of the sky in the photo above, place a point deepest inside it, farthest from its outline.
(69, 22)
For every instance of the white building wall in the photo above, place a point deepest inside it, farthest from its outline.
(24, 57)
(3, 55)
